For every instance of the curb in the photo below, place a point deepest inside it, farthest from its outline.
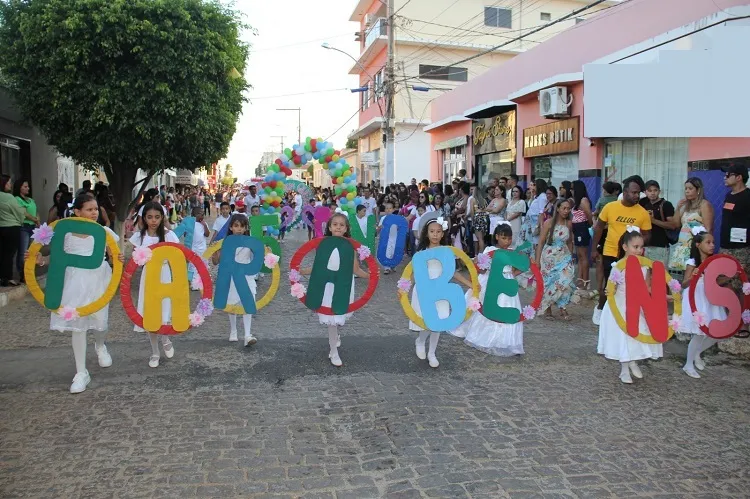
(17, 293)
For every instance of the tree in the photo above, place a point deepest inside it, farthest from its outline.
(122, 85)
(352, 143)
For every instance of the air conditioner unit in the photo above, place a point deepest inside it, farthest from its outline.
(369, 18)
(554, 103)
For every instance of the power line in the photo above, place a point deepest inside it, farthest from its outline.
(298, 93)
(345, 123)
(536, 30)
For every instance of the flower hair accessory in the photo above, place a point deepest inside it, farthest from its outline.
(439, 220)
(633, 228)
(697, 230)
(340, 211)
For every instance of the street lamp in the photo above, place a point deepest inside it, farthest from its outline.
(327, 46)
(299, 122)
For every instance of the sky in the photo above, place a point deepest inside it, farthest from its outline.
(286, 58)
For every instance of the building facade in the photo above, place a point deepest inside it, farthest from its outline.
(644, 99)
(424, 47)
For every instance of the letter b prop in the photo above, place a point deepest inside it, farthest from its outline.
(60, 260)
(431, 290)
(230, 270)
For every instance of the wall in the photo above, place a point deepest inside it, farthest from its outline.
(447, 132)
(373, 111)
(702, 148)
(411, 160)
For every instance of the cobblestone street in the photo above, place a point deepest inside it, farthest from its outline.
(277, 420)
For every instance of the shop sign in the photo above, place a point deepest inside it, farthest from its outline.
(368, 157)
(552, 138)
(495, 134)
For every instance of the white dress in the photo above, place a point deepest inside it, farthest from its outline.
(166, 275)
(614, 343)
(330, 320)
(709, 310)
(83, 286)
(443, 307)
(488, 336)
(243, 255)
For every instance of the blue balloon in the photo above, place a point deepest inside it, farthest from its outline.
(316, 155)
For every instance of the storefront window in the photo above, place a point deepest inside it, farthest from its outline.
(10, 157)
(555, 169)
(454, 160)
(661, 159)
(495, 165)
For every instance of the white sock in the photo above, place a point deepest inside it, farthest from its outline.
(707, 343)
(232, 323)
(99, 337)
(693, 351)
(434, 338)
(247, 321)
(624, 369)
(333, 338)
(154, 339)
(79, 350)
(423, 337)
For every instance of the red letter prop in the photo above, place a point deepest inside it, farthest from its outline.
(710, 270)
(654, 304)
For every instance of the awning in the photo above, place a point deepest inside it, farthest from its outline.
(490, 109)
(454, 142)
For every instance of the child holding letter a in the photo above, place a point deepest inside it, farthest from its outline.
(238, 225)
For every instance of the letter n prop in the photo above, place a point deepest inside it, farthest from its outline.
(177, 291)
(402, 230)
(230, 270)
(498, 284)
(654, 303)
(720, 296)
(60, 260)
(341, 278)
(432, 290)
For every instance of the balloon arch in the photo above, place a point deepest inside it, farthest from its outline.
(273, 187)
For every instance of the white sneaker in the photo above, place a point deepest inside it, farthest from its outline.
(233, 336)
(80, 381)
(168, 349)
(635, 370)
(625, 378)
(338, 341)
(250, 340)
(335, 359)
(699, 364)
(105, 359)
(421, 353)
(433, 361)
(153, 361)
(692, 373)
(597, 317)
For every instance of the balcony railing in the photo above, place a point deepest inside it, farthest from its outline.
(377, 30)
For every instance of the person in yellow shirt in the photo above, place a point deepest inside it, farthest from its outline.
(616, 217)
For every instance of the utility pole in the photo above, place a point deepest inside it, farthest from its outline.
(299, 123)
(390, 89)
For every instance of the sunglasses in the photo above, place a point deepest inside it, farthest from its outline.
(727, 175)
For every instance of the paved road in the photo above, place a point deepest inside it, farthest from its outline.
(277, 420)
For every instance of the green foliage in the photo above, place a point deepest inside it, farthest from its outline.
(127, 84)
(352, 143)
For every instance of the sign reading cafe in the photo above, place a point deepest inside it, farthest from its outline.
(552, 138)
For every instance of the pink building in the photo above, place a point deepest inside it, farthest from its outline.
(648, 87)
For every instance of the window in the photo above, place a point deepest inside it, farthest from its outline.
(366, 98)
(443, 73)
(545, 16)
(378, 90)
(498, 18)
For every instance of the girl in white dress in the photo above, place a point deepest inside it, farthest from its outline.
(338, 225)
(155, 232)
(488, 336)
(432, 237)
(238, 225)
(614, 343)
(701, 248)
(84, 286)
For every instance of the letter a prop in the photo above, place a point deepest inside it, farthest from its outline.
(232, 271)
(498, 284)
(432, 290)
(60, 260)
(177, 291)
(341, 278)
(654, 304)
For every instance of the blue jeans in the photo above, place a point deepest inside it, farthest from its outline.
(23, 245)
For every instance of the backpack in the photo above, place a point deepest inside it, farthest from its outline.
(673, 235)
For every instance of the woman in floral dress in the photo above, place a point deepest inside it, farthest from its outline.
(554, 255)
(693, 211)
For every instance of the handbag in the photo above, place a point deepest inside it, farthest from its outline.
(673, 235)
